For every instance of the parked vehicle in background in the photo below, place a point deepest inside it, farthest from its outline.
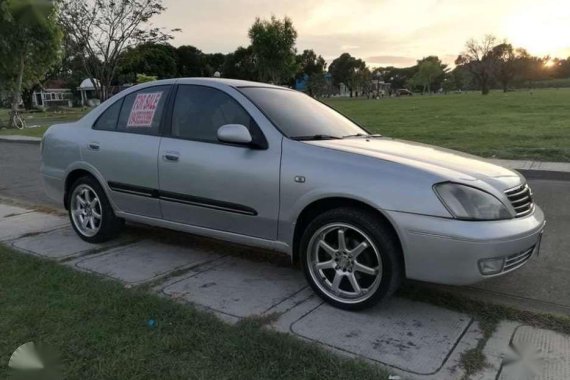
(270, 167)
(404, 92)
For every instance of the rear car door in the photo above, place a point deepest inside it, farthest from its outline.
(123, 147)
(207, 183)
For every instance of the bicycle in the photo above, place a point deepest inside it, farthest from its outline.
(17, 120)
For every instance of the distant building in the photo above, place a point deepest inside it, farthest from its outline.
(88, 93)
(53, 93)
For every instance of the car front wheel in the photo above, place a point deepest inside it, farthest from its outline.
(90, 212)
(351, 258)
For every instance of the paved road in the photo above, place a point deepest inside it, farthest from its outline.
(543, 284)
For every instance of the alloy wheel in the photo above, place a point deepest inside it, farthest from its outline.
(344, 262)
(86, 210)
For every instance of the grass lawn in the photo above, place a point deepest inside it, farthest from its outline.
(516, 125)
(41, 119)
(99, 331)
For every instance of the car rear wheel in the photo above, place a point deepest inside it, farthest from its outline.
(90, 212)
(351, 258)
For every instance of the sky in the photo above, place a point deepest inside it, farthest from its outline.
(382, 32)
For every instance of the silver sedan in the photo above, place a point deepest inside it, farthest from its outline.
(270, 167)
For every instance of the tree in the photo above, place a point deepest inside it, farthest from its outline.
(310, 63)
(479, 60)
(318, 85)
(154, 60)
(348, 70)
(530, 68)
(29, 46)
(214, 62)
(273, 44)
(191, 61)
(102, 30)
(505, 64)
(240, 64)
(430, 71)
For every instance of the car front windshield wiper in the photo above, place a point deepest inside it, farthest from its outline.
(315, 137)
(362, 135)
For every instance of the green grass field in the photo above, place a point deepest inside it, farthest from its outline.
(517, 125)
(99, 330)
(40, 119)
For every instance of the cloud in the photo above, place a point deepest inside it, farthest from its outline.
(390, 60)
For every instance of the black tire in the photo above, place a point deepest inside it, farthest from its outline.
(109, 225)
(381, 236)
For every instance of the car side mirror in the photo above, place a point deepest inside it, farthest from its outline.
(234, 134)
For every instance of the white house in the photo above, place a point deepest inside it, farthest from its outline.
(53, 94)
(88, 93)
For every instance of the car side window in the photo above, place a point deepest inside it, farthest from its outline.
(200, 111)
(142, 111)
(107, 121)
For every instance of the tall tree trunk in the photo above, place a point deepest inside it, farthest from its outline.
(16, 95)
(484, 86)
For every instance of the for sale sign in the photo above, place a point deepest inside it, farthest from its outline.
(143, 110)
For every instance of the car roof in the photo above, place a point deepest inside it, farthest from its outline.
(227, 82)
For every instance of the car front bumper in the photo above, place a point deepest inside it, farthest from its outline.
(448, 251)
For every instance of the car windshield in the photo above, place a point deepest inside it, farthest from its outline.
(301, 117)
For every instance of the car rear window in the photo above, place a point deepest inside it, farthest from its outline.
(142, 111)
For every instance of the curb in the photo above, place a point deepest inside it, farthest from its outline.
(20, 139)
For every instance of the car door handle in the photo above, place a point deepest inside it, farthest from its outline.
(171, 156)
(94, 146)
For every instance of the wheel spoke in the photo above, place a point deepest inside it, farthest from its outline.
(364, 269)
(359, 249)
(84, 222)
(354, 283)
(96, 214)
(341, 240)
(87, 196)
(80, 200)
(327, 248)
(325, 265)
(94, 203)
(336, 282)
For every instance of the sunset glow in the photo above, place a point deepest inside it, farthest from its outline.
(382, 32)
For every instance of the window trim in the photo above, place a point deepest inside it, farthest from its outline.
(122, 100)
(260, 144)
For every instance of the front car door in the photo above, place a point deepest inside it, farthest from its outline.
(206, 183)
(123, 147)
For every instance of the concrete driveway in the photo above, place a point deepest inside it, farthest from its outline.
(412, 339)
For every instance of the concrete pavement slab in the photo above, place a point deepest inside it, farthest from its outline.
(414, 337)
(517, 351)
(29, 223)
(10, 211)
(239, 288)
(59, 244)
(143, 261)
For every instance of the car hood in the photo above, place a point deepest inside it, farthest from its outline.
(449, 164)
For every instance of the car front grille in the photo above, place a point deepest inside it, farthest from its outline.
(517, 260)
(521, 200)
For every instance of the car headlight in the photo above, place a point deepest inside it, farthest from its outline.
(465, 202)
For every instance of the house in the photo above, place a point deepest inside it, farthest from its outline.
(53, 93)
(88, 93)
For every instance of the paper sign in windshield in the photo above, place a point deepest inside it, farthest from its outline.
(143, 110)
